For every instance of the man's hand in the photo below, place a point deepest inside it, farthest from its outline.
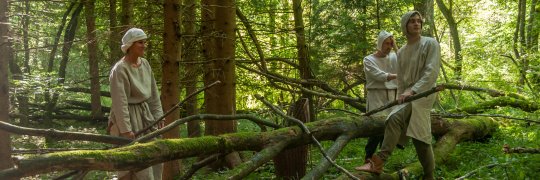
(161, 123)
(405, 95)
(129, 135)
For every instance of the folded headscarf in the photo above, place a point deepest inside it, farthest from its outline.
(132, 35)
(382, 36)
(405, 19)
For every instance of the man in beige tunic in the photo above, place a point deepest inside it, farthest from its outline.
(380, 69)
(418, 68)
(135, 97)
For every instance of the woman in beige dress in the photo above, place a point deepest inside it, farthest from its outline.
(135, 97)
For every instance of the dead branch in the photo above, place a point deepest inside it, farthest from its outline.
(333, 152)
(198, 165)
(449, 115)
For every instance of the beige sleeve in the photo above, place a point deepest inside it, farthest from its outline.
(119, 82)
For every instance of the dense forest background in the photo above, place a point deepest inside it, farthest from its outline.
(56, 57)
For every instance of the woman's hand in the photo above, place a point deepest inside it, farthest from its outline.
(129, 135)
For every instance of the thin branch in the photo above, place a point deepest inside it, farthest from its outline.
(469, 174)
(306, 130)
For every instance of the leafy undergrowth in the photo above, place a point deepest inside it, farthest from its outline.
(484, 158)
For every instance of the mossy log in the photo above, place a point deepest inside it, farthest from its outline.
(141, 155)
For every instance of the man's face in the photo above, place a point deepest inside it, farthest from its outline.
(387, 45)
(414, 26)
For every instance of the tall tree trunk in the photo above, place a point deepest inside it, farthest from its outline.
(95, 96)
(7, 53)
(114, 35)
(425, 7)
(447, 13)
(221, 98)
(303, 55)
(519, 44)
(190, 49)
(532, 28)
(171, 76)
(26, 23)
(126, 16)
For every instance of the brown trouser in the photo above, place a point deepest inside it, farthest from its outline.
(395, 125)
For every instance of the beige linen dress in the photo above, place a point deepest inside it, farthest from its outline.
(135, 105)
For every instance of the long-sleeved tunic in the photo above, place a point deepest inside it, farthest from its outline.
(379, 89)
(418, 68)
(135, 105)
(135, 97)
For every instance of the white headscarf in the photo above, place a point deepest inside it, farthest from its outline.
(382, 36)
(132, 35)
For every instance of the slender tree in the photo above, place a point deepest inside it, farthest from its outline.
(114, 34)
(26, 24)
(453, 25)
(171, 76)
(190, 56)
(95, 96)
(7, 53)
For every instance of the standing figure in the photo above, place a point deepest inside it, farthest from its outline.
(418, 68)
(135, 97)
(380, 69)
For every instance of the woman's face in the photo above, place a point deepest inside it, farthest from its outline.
(138, 48)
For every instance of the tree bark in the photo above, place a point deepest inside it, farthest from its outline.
(221, 66)
(190, 49)
(7, 54)
(126, 15)
(114, 34)
(303, 55)
(95, 87)
(171, 76)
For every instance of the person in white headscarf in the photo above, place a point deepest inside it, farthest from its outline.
(135, 97)
(380, 70)
(418, 68)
